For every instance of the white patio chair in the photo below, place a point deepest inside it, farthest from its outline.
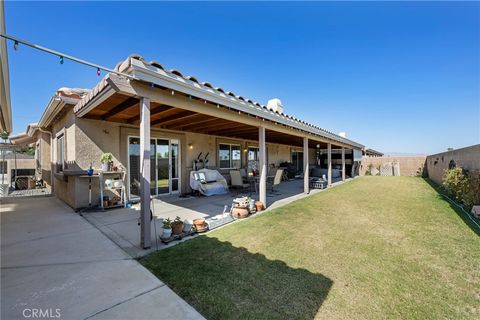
(277, 179)
(237, 181)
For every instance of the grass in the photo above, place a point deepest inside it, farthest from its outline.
(373, 248)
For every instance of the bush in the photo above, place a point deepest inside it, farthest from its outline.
(463, 186)
(474, 179)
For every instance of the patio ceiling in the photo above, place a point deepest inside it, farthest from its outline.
(125, 109)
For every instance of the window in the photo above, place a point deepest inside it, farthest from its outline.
(3, 167)
(253, 154)
(229, 156)
(60, 152)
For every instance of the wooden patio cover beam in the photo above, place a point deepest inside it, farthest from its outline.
(130, 102)
(156, 111)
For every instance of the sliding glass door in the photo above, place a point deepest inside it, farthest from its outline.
(297, 160)
(164, 166)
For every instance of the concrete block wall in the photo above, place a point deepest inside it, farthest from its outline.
(409, 165)
(467, 158)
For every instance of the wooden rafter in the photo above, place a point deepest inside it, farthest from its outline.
(120, 108)
(196, 124)
(221, 124)
(172, 118)
(195, 118)
(160, 109)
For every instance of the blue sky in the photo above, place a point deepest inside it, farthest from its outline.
(397, 77)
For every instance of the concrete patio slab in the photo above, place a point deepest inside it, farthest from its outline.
(121, 225)
(51, 258)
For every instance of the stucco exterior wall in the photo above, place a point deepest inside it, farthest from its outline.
(64, 186)
(467, 158)
(91, 138)
(43, 161)
(409, 166)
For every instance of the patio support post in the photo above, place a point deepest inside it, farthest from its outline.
(262, 190)
(306, 168)
(329, 173)
(145, 236)
(343, 163)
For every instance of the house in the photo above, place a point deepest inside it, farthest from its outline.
(16, 166)
(162, 121)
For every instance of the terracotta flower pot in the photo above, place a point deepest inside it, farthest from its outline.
(177, 228)
(259, 205)
(200, 225)
(239, 212)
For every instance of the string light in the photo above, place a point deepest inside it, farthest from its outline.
(152, 85)
(173, 92)
(218, 106)
(98, 71)
(61, 59)
(15, 45)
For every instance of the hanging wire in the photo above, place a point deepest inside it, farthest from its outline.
(63, 56)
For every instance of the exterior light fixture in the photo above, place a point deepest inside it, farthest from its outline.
(190, 146)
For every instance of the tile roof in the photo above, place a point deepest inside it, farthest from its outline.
(173, 74)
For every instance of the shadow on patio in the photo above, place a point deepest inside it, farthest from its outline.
(222, 281)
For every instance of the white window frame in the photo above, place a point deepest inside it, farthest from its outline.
(230, 155)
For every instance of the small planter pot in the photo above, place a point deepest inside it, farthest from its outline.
(187, 225)
(200, 225)
(177, 228)
(259, 205)
(167, 233)
(240, 212)
(105, 166)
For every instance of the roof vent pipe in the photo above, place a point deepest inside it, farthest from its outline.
(275, 105)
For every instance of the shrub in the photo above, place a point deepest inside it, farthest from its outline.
(463, 186)
(474, 179)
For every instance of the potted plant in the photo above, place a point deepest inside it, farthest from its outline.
(177, 226)
(187, 225)
(106, 159)
(167, 229)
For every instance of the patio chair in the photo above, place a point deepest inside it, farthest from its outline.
(237, 181)
(243, 174)
(277, 179)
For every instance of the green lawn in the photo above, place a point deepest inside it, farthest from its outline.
(376, 247)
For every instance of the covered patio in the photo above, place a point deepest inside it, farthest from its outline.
(121, 225)
(152, 99)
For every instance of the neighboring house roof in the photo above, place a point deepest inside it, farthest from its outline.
(155, 73)
(62, 97)
(5, 106)
(21, 139)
